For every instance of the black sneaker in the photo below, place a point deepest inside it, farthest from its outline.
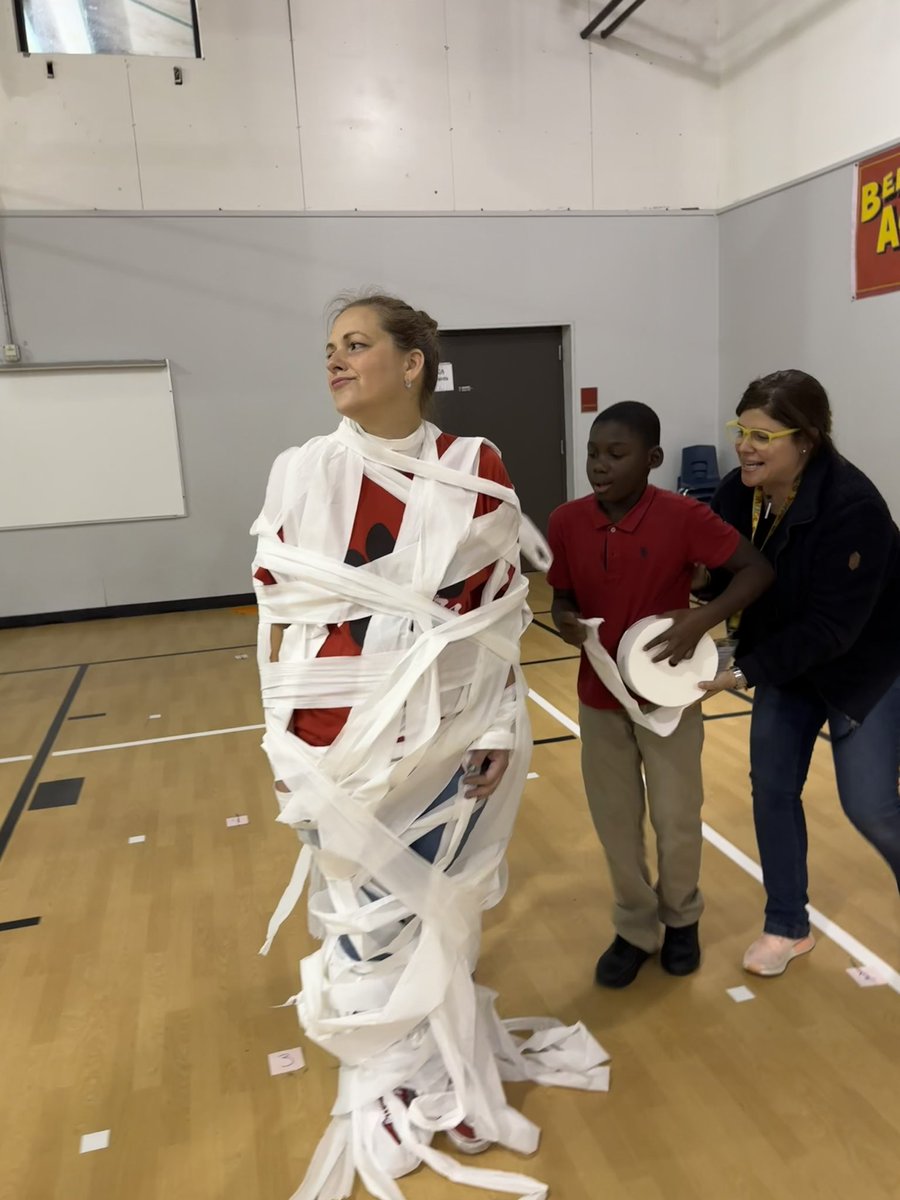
(618, 966)
(681, 950)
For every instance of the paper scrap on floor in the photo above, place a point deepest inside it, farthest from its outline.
(866, 976)
(94, 1141)
(283, 1062)
(740, 994)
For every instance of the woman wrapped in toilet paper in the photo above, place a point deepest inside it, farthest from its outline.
(391, 607)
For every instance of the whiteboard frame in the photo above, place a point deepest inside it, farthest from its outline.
(137, 364)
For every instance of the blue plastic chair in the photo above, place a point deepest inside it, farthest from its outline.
(699, 476)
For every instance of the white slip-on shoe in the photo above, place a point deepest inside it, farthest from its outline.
(770, 954)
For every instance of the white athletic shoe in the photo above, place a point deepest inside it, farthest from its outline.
(466, 1140)
(395, 1159)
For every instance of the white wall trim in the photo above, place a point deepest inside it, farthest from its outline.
(292, 215)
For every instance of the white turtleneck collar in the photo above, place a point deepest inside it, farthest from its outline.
(411, 445)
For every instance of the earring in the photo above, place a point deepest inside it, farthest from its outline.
(802, 451)
(408, 384)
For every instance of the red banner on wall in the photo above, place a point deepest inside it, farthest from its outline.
(876, 224)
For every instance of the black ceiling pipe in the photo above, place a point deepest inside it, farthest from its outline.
(601, 16)
(604, 33)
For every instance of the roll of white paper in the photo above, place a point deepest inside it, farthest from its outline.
(660, 682)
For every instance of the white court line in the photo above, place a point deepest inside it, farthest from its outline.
(554, 712)
(177, 737)
(862, 954)
(738, 857)
(17, 758)
(855, 949)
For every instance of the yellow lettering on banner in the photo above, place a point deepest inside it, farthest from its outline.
(889, 185)
(869, 202)
(889, 233)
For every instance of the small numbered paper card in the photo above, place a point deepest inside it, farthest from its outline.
(283, 1062)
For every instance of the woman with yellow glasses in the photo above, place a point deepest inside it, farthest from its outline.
(822, 646)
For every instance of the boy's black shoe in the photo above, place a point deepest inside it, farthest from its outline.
(681, 950)
(618, 966)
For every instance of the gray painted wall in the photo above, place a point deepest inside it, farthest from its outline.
(784, 291)
(236, 304)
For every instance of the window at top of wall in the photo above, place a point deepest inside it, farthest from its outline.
(163, 27)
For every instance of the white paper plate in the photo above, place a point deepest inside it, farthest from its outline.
(661, 683)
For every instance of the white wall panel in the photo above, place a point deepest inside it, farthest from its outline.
(442, 105)
(520, 104)
(372, 97)
(67, 142)
(227, 137)
(236, 304)
(804, 85)
(655, 109)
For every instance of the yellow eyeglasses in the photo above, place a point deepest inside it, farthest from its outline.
(758, 437)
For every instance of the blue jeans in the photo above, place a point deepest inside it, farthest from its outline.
(783, 732)
(427, 847)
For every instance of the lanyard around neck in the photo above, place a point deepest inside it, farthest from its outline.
(734, 621)
(757, 513)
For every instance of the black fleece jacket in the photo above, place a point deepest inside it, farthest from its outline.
(831, 620)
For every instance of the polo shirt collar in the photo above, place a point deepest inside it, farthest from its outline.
(632, 519)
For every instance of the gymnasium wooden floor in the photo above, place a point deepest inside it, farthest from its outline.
(138, 1003)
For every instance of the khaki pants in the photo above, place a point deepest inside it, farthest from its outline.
(612, 752)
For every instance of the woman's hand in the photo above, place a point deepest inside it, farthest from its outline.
(493, 764)
(570, 628)
(723, 682)
(680, 640)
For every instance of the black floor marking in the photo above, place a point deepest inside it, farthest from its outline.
(566, 737)
(21, 924)
(105, 662)
(85, 716)
(114, 612)
(56, 793)
(549, 628)
(37, 765)
(537, 662)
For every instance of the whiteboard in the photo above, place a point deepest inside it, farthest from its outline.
(81, 443)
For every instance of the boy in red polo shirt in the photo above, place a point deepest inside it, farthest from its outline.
(625, 552)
